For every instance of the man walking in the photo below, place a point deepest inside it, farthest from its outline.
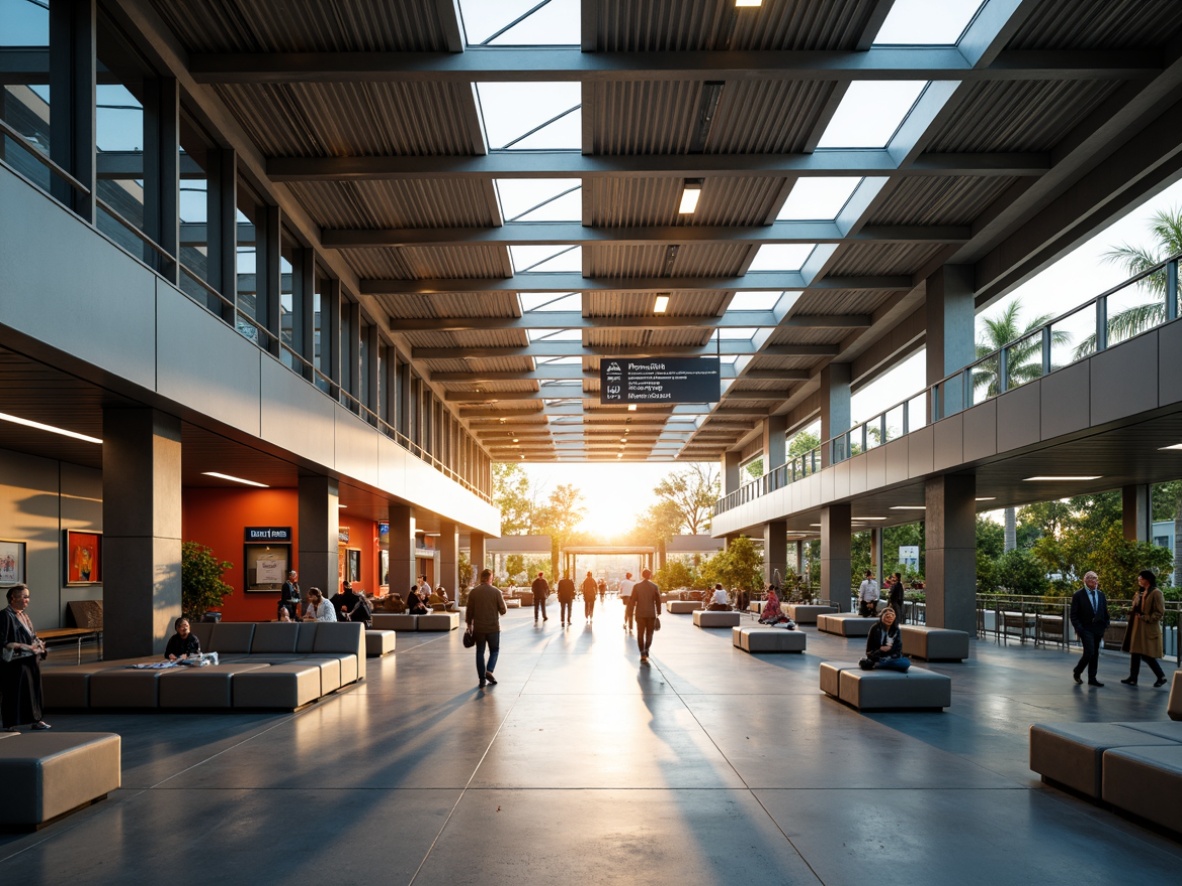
(868, 596)
(626, 586)
(566, 598)
(590, 589)
(646, 602)
(541, 589)
(485, 608)
(290, 595)
(1089, 617)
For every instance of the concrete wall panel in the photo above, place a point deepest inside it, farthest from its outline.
(295, 415)
(1018, 417)
(876, 461)
(1121, 380)
(1066, 401)
(356, 448)
(921, 452)
(858, 467)
(980, 431)
(896, 461)
(1169, 346)
(949, 442)
(841, 479)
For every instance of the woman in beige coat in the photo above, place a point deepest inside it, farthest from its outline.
(1143, 638)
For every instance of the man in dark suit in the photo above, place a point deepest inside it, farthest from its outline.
(541, 589)
(1089, 617)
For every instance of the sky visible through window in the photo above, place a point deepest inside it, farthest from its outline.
(531, 116)
(927, 22)
(819, 198)
(555, 22)
(870, 113)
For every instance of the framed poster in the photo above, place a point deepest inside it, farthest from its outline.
(12, 563)
(353, 565)
(84, 557)
(266, 567)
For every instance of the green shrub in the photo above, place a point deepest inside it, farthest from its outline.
(202, 587)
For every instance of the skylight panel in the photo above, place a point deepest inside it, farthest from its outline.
(521, 22)
(870, 113)
(540, 199)
(549, 301)
(737, 333)
(555, 335)
(531, 116)
(818, 199)
(782, 256)
(754, 300)
(927, 22)
(25, 23)
(539, 259)
(556, 361)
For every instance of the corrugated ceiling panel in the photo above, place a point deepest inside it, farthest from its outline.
(936, 200)
(385, 264)
(653, 117)
(413, 203)
(1099, 24)
(640, 304)
(482, 364)
(767, 116)
(451, 304)
(1019, 115)
(356, 119)
(494, 387)
(883, 258)
(467, 338)
(844, 301)
(304, 25)
(726, 200)
(439, 262)
(648, 338)
(770, 361)
(637, 25)
(690, 260)
(808, 335)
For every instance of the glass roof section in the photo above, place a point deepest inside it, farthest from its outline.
(538, 259)
(119, 119)
(540, 199)
(754, 300)
(548, 301)
(521, 22)
(555, 335)
(737, 333)
(818, 199)
(782, 256)
(870, 113)
(531, 116)
(927, 22)
(25, 23)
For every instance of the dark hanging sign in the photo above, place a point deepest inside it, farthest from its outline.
(268, 533)
(660, 380)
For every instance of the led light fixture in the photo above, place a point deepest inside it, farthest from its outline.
(235, 479)
(16, 420)
(661, 305)
(690, 195)
(1053, 479)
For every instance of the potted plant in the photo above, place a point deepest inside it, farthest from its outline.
(202, 587)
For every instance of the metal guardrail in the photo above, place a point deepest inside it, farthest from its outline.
(994, 374)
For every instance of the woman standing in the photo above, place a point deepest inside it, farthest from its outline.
(1143, 638)
(20, 673)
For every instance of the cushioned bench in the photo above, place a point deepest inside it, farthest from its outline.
(845, 624)
(288, 686)
(761, 639)
(379, 643)
(683, 607)
(1174, 708)
(806, 613)
(1146, 781)
(1072, 754)
(439, 621)
(934, 644)
(47, 774)
(885, 690)
(395, 621)
(706, 619)
(513, 604)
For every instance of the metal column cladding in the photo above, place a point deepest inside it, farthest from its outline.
(662, 380)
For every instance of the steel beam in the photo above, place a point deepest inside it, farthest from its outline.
(573, 282)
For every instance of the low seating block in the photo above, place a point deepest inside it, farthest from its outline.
(285, 686)
(706, 619)
(683, 607)
(439, 621)
(761, 639)
(379, 643)
(830, 672)
(846, 624)
(513, 604)
(395, 621)
(807, 613)
(892, 690)
(124, 687)
(207, 687)
(1145, 781)
(934, 644)
(49, 774)
(1071, 754)
(1174, 708)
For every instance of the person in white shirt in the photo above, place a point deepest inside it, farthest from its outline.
(868, 596)
(626, 585)
(318, 609)
(719, 602)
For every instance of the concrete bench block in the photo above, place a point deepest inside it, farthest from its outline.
(1145, 781)
(439, 621)
(395, 621)
(125, 687)
(760, 639)
(934, 644)
(1174, 708)
(845, 624)
(892, 690)
(207, 687)
(830, 672)
(331, 678)
(49, 774)
(379, 643)
(806, 613)
(705, 619)
(683, 607)
(285, 686)
(513, 604)
(69, 687)
(1071, 754)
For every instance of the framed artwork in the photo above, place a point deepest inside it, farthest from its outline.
(353, 564)
(266, 567)
(12, 563)
(84, 557)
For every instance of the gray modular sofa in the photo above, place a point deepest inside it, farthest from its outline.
(267, 665)
(49, 774)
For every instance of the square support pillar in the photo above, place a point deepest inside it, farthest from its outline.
(951, 342)
(774, 430)
(403, 568)
(950, 571)
(449, 557)
(835, 556)
(320, 534)
(800, 560)
(835, 408)
(730, 473)
(141, 555)
(876, 553)
(475, 556)
(1136, 514)
(775, 551)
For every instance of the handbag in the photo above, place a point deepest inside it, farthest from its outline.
(469, 639)
(657, 623)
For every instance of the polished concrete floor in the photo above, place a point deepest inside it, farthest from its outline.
(707, 766)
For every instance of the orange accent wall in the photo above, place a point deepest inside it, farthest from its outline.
(217, 518)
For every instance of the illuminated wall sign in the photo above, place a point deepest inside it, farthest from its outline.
(269, 533)
(660, 380)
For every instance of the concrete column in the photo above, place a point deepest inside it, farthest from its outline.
(835, 556)
(1136, 513)
(449, 557)
(876, 553)
(951, 343)
(476, 555)
(774, 442)
(730, 472)
(800, 559)
(950, 571)
(320, 534)
(835, 406)
(141, 553)
(403, 569)
(775, 550)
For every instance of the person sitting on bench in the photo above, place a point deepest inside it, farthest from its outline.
(719, 602)
(184, 643)
(884, 646)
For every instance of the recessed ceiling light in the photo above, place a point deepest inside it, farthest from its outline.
(51, 428)
(909, 507)
(689, 196)
(814, 524)
(1175, 446)
(661, 305)
(750, 4)
(1065, 479)
(342, 507)
(235, 479)
(870, 518)
(632, 407)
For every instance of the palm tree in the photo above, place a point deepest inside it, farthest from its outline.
(1023, 364)
(1166, 228)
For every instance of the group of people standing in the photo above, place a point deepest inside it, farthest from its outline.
(868, 596)
(346, 605)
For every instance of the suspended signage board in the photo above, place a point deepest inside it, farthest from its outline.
(660, 380)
